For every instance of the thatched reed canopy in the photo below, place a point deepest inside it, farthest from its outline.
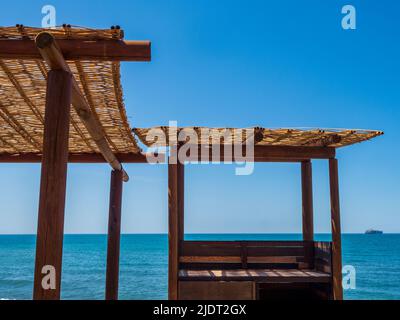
(23, 96)
(23, 77)
(334, 138)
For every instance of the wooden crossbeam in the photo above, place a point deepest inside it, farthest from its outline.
(99, 50)
(79, 158)
(261, 154)
(52, 54)
(267, 153)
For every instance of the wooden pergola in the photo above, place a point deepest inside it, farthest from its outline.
(45, 72)
(227, 270)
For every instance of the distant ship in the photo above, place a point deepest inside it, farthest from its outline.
(372, 231)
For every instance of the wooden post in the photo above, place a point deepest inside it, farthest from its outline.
(181, 201)
(336, 232)
(114, 235)
(173, 232)
(307, 201)
(50, 232)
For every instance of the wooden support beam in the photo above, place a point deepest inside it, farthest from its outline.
(173, 232)
(307, 201)
(114, 235)
(50, 230)
(336, 231)
(269, 153)
(181, 201)
(99, 50)
(79, 158)
(51, 53)
(262, 154)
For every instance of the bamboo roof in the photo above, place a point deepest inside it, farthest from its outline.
(23, 96)
(335, 138)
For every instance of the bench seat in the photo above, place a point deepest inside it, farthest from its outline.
(257, 275)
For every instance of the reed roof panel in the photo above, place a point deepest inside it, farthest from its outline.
(23, 96)
(295, 137)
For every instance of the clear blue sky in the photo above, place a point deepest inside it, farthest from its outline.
(238, 63)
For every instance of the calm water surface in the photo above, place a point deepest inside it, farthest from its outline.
(144, 263)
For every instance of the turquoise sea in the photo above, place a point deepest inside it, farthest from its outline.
(376, 259)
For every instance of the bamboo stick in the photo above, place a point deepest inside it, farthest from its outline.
(51, 53)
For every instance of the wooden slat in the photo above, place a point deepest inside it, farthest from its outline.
(207, 259)
(51, 53)
(275, 259)
(189, 249)
(173, 230)
(239, 254)
(258, 275)
(78, 158)
(336, 230)
(114, 235)
(53, 183)
(323, 256)
(260, 243)
(256, 251)
(238, 259)
(99, 50)
(275, 251)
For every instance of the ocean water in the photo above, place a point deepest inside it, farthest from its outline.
(144, 263)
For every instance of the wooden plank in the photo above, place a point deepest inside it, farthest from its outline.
(258, 275)
(275, 251)
(238, 259)
(99, 50)
(50, 52)
(323, 256)
(336, 231)
(261, 243)
(206, 290)
(255, 251)
(307, 201)
(114, 235)
(79, 158)
(49, 243)
(207, 259)
(173, 232)
(207, 250)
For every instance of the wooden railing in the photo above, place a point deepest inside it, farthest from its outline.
(255, 254)
(323, 256)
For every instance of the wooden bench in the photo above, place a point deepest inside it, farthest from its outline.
(220, 269)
